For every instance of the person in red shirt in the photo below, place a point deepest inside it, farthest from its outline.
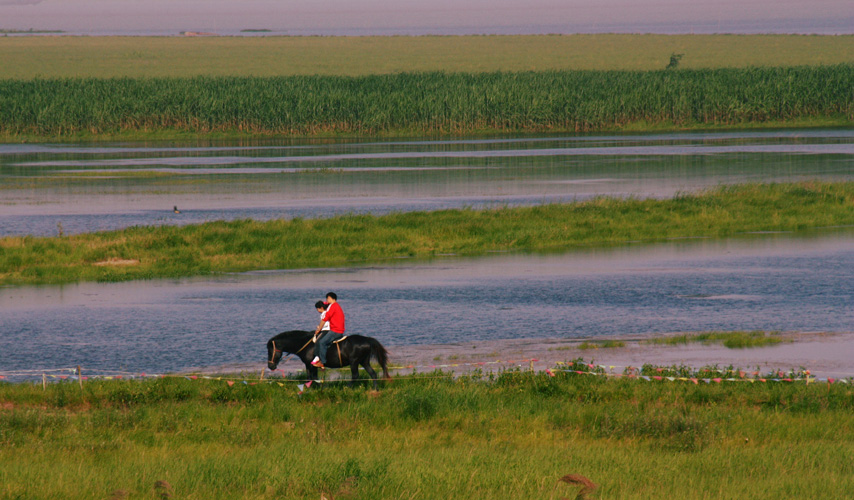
(335, 318)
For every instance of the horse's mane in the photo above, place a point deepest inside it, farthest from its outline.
(293, 335)
(291, 341)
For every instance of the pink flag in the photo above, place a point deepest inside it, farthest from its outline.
(230, 382)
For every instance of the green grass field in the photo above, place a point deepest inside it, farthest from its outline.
(121, 88)
(107, 57)
(218, 247)
(513, 436)
(106, 88)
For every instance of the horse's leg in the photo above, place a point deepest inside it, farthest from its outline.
(311, 371)
(354, 372)
(367, 364)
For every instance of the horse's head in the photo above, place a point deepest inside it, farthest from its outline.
(293, 342)
(274, 354)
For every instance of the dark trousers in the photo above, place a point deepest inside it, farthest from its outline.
(324, 342)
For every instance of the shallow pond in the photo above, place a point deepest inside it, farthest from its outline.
(48, 189)
(765, 282)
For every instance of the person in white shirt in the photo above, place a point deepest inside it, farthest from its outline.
(321, 308)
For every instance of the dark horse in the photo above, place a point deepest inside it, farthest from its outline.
(353, 351)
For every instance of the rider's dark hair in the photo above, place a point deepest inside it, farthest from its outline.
(319, 305)
(332, 295)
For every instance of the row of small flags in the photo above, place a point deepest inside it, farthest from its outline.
(742, 375)
(590, 369)
(230, 382)
(475, 363)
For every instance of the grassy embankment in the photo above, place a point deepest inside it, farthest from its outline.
(217, 247)
(513, 437)
(425, 103)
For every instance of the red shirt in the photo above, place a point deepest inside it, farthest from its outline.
(335, 317)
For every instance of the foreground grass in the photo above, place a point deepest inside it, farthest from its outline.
(109, 57)
(418, 104)
(732, 340)
(218, 247)
(513, 437)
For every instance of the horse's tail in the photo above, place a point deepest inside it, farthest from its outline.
(380, 354)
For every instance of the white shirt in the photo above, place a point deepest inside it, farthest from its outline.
(325, 325)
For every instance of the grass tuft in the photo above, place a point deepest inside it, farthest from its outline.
(601, 344)
(732, 340)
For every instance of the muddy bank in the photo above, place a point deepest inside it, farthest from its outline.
(824, 354)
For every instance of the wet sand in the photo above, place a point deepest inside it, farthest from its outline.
(823, 354)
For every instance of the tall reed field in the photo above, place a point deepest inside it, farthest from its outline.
(507, 435)
(217, 247)
(427, 103)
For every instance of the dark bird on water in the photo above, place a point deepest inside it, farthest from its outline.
(175, 209)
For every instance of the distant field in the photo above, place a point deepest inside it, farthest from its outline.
(103, 57)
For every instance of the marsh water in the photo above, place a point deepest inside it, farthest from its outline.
(754, 281)
(47, 189)
(764, 282)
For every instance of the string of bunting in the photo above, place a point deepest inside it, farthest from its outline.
(56, 373)
(742, 376)
(473, 363)
(610, 371)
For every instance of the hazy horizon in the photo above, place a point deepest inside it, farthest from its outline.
(438, 16)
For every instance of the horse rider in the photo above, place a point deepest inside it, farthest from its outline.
(321, 309)
(335, 317)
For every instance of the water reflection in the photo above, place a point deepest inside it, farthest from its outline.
(88, 188)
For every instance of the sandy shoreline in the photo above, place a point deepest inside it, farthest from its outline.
(824, 354)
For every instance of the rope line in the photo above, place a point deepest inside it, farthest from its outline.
(609, 371)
